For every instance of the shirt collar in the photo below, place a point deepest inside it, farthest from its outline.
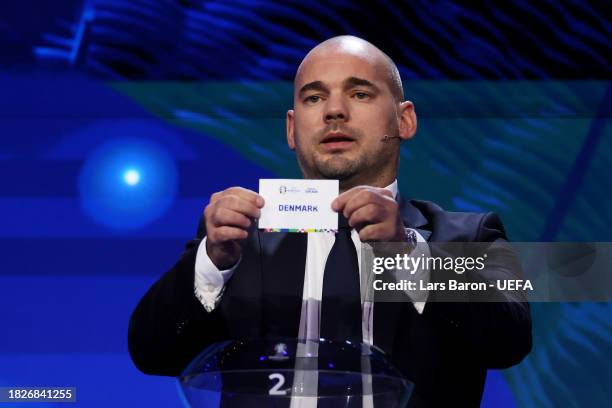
(393, 189)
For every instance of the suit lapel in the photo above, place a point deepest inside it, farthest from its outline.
(283, 263)
(387, 314)
(413, 217)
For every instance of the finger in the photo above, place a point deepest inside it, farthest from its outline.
(366, 215)
(365, 197)
(371, 233)
(238, 204)
(248, 195)
(244, 193)
(340, 201)
(225, 234)
(228, 217)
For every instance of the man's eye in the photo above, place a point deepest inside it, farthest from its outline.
(361, 95)
(313, 98)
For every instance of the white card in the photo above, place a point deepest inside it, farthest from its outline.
(298, 205)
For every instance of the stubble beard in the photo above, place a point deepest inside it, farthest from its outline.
(339, 167)
(350, 167)
(350, 171)
(335, 166)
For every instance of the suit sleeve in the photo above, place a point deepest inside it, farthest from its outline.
(495, 334)
(169, 326)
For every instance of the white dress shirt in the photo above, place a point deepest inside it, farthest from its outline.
(210, 281)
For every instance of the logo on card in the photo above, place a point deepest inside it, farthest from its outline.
(285, 190)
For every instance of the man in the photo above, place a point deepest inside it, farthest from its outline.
(235, 282)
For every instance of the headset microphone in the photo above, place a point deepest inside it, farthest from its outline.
(387, 137)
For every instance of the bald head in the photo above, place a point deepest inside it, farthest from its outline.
(347, 98)
(355, 46)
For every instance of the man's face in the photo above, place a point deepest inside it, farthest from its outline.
(343, 106)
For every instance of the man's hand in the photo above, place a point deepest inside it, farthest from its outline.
(229, 215)
(373, 212)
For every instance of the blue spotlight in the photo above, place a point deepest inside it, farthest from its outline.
(131, 177)
(128, 183)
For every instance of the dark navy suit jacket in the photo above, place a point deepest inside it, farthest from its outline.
(445, 351)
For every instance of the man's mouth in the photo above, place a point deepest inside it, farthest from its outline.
(337, 141)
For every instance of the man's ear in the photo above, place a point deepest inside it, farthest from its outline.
(290, 139)
(408, 120)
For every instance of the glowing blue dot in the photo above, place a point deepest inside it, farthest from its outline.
(131, 177)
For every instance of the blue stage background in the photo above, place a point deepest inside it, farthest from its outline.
(118, 119)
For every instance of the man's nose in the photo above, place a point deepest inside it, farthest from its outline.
(335, 110)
